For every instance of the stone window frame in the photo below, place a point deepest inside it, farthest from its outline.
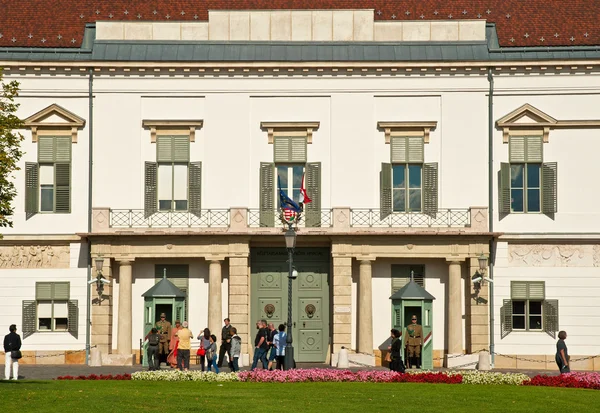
(172, 127)
(38, 127)
(407, 128)
(290, 129)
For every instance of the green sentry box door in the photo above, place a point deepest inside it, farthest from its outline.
(427, 323)
(148, 324)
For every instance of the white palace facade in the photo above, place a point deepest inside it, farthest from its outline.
(430, 148)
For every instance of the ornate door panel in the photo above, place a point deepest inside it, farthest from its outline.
(269, 294)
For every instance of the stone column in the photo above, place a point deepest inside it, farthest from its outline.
(342, 302)
(124, 334)
(214, 297)
(454, 324)
(365, 308)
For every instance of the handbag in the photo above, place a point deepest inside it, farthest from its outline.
(16, 354)
(201, 351)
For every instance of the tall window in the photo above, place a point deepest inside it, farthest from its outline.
(172, 186)
(407, 187)
(525, 187)
(290, 178)
(48, 182)
(52, 306)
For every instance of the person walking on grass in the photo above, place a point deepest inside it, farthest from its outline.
(12, 353)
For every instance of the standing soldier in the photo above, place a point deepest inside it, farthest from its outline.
(164, 329)
(413, 339)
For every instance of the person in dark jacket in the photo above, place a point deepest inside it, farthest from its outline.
(395, 349)
(562, 354)
(226, 335)
(12, 342)
(153, 343)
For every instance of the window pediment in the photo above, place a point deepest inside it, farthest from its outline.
(528, 120)
(54, 120)
(406, 129)
(172, 127)
(286, 128)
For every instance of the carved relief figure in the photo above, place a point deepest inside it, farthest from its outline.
(34, 256)
(536, 255)
(596, 255)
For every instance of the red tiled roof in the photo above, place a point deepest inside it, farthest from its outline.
(61, 23)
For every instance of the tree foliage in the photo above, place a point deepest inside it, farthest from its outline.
(10, 148)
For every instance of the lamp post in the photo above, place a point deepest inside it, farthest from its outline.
(290, 244)
(99, 278)
(483, 259)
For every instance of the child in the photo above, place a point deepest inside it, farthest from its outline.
(211, 354)
(236, 349)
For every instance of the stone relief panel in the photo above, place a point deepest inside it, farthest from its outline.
(34, 256)
(544, 255)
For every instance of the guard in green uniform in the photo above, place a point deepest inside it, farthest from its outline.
(413, 339)
(164, 330)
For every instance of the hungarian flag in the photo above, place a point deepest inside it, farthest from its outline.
(304, 199)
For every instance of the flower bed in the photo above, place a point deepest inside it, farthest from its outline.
(176, 375)
(573, 380)
(97, 377)
(481, 377)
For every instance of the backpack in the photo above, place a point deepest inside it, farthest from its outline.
(153, 339)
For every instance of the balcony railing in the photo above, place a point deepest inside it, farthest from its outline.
(134, 218)
(326, 219)
(443, 218)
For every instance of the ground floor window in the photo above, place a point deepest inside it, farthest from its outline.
(52, 310)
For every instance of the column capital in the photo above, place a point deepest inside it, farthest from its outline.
(125, 261)
(214, 259)
(365, 260)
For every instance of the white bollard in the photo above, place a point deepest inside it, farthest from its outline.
(95, 357)
(342, 361)
(484, 361)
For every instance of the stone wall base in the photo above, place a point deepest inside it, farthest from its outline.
(50, 357)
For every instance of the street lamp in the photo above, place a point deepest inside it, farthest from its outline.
(100, 280)
(483, 259)
(290, 244)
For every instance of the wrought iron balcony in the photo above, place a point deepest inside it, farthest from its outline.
(450, 218)
(325, 222)
(135, 218)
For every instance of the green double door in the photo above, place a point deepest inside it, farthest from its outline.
(310, 297)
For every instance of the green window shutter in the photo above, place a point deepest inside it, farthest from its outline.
(506, 318)
(282, 149)
(516, 149)
(46, 149)
(397, 318)
(504, 189)
(195, 187)
(43, 291)
(518, 290)
(536, 290)
(32, 183)
(267, 194)
(62, 149)
(62, 183)
(150, 192)
(430, 189)
(551, 317)
(549, 189)
(400, 277)
(73, 326)
(534, 148)
(416, 149)
(398, 149)
(29, 318)
(385, 190)
(313, 190)
(164, 148)
(181, 148)
(60, 291)
(298, 149)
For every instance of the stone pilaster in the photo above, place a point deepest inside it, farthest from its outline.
(478, 316)
(102, 311)
(215, 297)
(124, 333)
(365, 308)
(342, 303)
(239, 298)
(455, 330)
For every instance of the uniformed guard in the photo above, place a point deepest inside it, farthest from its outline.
(164, 329)
(413, 339)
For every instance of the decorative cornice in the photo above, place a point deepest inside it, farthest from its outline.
(153, 125)
(36, 122)
(273, 128)
(421, 127)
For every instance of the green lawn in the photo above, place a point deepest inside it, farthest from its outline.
(136, 396)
